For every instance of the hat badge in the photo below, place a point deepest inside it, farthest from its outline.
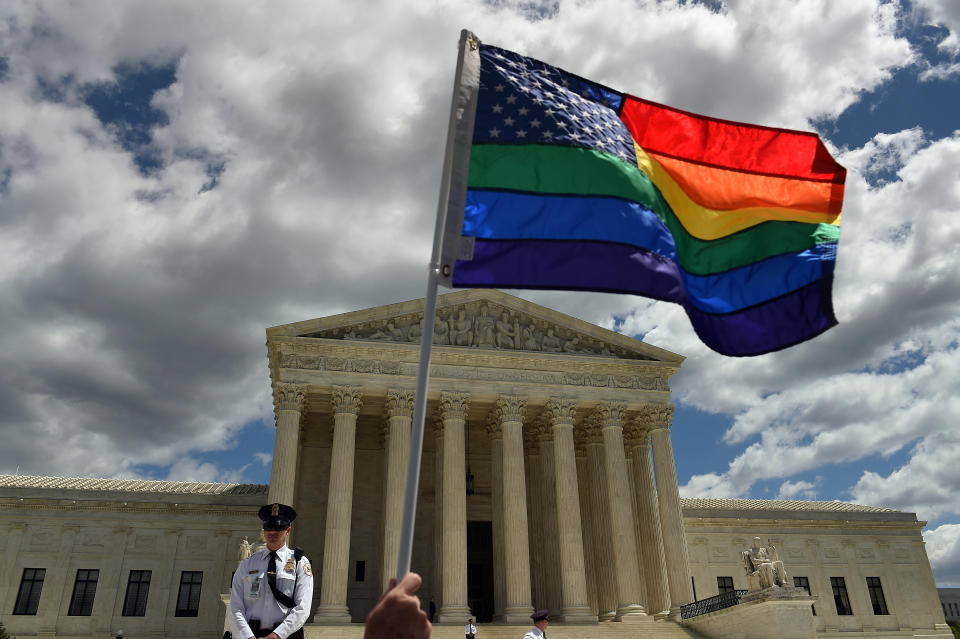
(275, 510)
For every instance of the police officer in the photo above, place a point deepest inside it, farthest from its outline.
(272, 589)
(540, 621)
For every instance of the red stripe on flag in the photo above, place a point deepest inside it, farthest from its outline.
(733, 145)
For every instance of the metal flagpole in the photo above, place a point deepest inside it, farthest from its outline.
(455, 163)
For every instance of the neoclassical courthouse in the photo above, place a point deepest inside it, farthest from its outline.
(548, 481)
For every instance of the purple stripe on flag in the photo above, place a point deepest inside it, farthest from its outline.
(561, 264)
(603, 266)
(771, 326)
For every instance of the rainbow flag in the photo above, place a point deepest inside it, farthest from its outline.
(575, 186)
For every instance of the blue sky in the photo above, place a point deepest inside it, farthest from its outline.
(175, 179)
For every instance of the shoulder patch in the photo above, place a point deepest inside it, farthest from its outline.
(307, 570)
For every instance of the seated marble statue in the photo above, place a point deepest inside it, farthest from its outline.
(763, 566)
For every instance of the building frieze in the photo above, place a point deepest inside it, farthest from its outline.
(652, 380)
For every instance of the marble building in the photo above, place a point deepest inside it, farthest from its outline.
(548, 481)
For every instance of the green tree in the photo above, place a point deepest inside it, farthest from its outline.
(3, 633)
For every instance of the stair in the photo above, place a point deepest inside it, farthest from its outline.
(647, 629)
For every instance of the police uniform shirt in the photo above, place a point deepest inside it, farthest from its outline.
(251, 597)
(534, 633)
(470, 629)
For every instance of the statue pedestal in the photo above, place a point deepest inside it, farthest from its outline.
(771, 613)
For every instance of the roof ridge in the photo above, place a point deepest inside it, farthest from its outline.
(128, 484)
(746, 503)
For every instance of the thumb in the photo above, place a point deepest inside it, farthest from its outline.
(410, 583)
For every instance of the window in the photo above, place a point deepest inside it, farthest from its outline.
(803, 582)
(724, 584)
(361, 572)
(138, 587)
(840, 597)
(188, 601)
(84, 590)
(876, 596)
(28, 597)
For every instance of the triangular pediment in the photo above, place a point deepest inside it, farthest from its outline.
(479, 318)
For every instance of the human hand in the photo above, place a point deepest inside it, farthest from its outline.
(398, 614)
(272, 635)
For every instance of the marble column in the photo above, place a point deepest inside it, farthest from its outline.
(625, 563)
(399, 414)
(454, 608)
(515, 531)
(668, 497)
(546, 511)
(437, 594)
(597, 509)
(289, 401)
(496, 502)
(531, 449)
(575, 607)
(332, 609)
(586, 522)
(654, 568)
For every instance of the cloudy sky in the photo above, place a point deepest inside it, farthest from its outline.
(176, 177)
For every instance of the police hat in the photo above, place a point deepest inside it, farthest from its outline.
(540, 615)
(274, 515)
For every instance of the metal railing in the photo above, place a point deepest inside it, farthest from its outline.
(712, 604)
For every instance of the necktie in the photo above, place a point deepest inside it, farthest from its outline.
(272, 582)
(272, 571)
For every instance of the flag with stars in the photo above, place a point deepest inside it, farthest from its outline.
(572, 185)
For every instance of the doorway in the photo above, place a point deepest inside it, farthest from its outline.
(480, 570)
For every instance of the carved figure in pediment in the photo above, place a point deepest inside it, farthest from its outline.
(484, 325)
(415, 331)
(551, 343)
(462, 333)
(390, 333)
(506, 332)
(441, 331)
(528, 338)
(572, 345)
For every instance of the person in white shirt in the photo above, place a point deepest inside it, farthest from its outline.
(470, 630)
(540, 620)
(272, 589)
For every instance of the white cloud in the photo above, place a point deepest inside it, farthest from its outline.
(264, 458)
(797, 490)
(943, 550)
(947, 14)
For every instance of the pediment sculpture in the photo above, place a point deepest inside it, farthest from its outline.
(481, 325)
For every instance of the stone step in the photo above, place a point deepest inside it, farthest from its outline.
(647, 629)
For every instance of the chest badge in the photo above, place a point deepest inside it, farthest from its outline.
(289, 565)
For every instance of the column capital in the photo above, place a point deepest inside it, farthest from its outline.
(610, 414)
(346, 399)
(656, 417)
(454, 405)
(399, 403)
(635, 435)
(560, 411)
(510, 408)
(289, 396)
